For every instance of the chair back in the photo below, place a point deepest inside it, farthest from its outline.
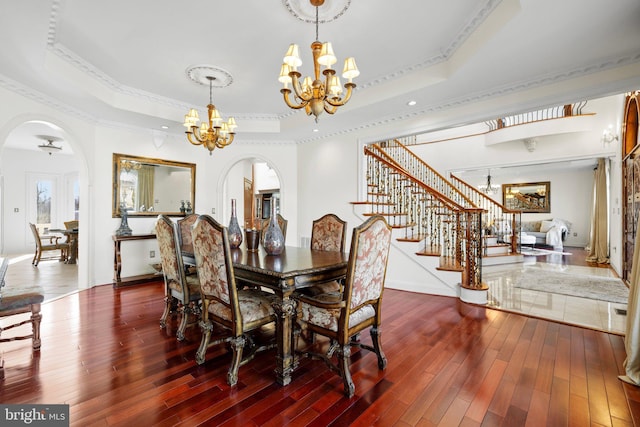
(215, 269)
(184, 233)
(71, 225)
(172, 264)
(367, 266)
(328, 234)
(36, 235)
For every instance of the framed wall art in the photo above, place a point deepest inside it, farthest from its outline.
(531, 197)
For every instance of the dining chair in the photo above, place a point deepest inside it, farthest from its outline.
(71, 239)
(182, 292)
(238, 311)
(184, 233)
(184, 239)
(328, 233)
(342, 317)
(47, 244)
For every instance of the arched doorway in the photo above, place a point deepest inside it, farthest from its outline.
(253, 183)
(41, 185)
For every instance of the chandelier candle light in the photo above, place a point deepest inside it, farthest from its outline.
(213, 133)
(316, 95)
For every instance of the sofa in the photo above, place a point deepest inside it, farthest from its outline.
(550, 232)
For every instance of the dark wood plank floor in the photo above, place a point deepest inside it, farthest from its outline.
(450, 364)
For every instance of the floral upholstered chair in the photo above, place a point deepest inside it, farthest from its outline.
(327, 234)
(185, 240)
(238, 311)
(341, 317)
(182, 292)
(184, 233)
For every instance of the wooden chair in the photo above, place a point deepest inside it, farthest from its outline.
(71, 239)
(282, 223)
(238, 311)
(342, 317)
(47, 244)
(21, 300)
(328, 233)
(182, 292)
(184, 233)
(184, 240)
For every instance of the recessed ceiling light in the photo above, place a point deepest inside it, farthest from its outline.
(411, 103)
(164, 127)
(315, 130)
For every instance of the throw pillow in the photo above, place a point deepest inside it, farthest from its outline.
(546, 226)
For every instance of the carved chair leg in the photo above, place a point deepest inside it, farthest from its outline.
(375, 338)
(167, 310)
(184, 321)
(207, 328)
(237, 345)
(344, 359)
(36, 318)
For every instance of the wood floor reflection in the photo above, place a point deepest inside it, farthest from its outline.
(450, 363)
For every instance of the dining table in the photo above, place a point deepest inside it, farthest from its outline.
(72, 237)
(295, 268)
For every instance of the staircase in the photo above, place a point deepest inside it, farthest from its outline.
(446, 226)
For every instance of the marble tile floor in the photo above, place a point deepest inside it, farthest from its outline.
(594, 314)
(59, 279)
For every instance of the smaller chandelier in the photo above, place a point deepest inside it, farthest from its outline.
(316, 95)
(489, 188)
(214, 133)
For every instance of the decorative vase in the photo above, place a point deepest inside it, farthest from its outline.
(273, 241)
(235, 234)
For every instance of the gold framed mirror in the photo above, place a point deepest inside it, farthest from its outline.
(531, 197)
(150, 187)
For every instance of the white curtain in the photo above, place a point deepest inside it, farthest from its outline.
(145, 187)
(599, 241)
(632, 336)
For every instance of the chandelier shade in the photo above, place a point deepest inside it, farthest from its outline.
(316, 94)
(213, 133)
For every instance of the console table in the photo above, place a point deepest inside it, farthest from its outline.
(119, 281)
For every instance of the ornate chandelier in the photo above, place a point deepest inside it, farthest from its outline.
(212, 133)
(316, 95)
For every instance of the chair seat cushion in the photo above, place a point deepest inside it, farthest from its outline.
(328, 318)
(15, 298)
(255, 305)
(322, 288)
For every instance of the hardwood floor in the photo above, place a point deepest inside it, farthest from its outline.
(450, 364)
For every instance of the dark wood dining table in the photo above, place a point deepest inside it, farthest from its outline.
(295, 268)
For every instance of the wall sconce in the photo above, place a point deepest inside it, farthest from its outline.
(608, 136)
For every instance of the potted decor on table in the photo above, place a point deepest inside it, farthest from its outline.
(235, 233)
(273, 238)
